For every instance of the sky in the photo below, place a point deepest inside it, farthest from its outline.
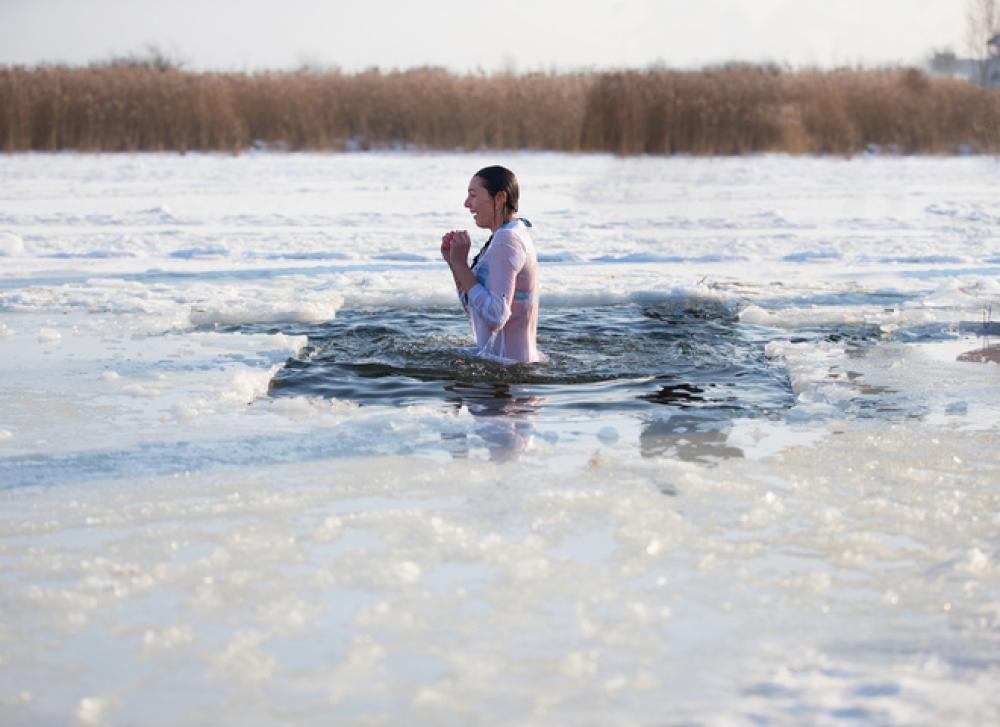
(519, 35)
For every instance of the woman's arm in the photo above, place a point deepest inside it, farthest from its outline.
(458, 259)
(492, 299)
(446, 251)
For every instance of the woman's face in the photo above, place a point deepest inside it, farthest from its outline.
(480, 204)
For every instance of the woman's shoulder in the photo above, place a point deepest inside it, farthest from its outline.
(514, 245)
(517, 233)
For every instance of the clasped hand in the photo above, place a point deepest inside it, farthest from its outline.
(455, 247)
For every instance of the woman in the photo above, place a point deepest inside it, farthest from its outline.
(499, 291)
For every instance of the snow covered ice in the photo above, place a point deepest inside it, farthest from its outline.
(182, 542)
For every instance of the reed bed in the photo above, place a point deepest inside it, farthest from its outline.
(735, 109)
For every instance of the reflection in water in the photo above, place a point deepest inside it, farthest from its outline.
(987, 354)
(607, 361)
(985, 329)
(687, 437)
(503, 413)
(680, 395)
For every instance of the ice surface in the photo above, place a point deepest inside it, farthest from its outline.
(10, 244)
(178, 547)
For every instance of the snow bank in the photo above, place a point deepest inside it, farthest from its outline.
(11, 244)
(231, 313)
(837, 560)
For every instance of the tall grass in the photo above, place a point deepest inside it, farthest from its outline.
(734, 109)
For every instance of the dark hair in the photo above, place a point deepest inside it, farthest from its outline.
(498, 179)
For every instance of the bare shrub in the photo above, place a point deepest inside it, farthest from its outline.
(731, 109)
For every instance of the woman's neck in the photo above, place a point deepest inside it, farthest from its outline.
(502, 223)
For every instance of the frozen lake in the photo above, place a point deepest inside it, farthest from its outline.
(247, 475)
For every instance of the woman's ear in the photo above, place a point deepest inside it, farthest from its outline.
(500, 199)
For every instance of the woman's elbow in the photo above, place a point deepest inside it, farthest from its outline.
(492, 308)
(496, 315)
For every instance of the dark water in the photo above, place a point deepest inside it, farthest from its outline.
(673, 375)
(610, 358)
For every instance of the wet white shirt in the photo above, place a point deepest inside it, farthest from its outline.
(503, 306)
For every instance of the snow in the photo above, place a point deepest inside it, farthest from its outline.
(178, 547)
(10, 244)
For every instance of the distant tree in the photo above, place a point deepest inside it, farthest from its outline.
(982, 23)
(943, 61)
(152, 56)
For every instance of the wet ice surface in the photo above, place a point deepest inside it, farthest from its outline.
(757, 482)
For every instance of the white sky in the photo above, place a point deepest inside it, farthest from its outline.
(516, 34)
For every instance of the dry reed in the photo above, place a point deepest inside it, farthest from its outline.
(734, 109)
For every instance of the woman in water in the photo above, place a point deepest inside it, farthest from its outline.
(499, 291)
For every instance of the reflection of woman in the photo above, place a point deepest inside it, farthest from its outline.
(502, 415)
(499, 291)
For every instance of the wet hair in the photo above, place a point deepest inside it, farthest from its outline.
(498, 179)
